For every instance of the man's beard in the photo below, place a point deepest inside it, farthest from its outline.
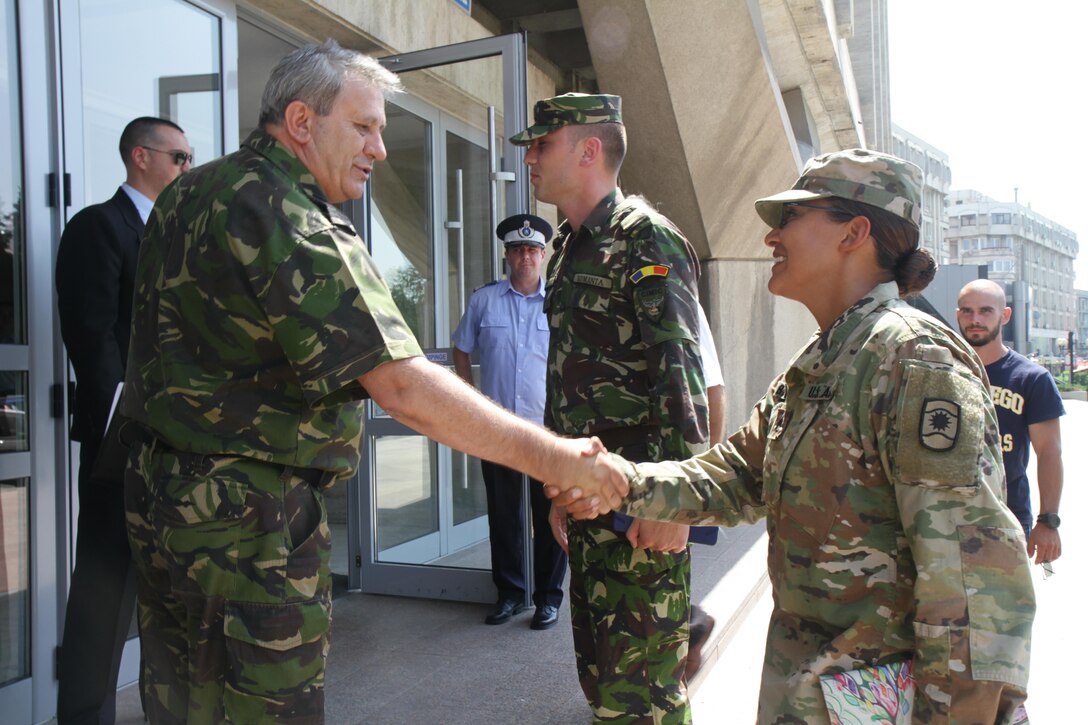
(990, 336)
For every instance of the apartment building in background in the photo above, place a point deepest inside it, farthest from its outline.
(1080, 341)
(1029, 253)
(937, 180)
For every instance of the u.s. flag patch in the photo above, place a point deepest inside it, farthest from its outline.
(650, 270)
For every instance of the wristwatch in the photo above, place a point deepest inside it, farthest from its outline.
(1050, 520)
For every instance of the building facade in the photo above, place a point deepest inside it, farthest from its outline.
(1018, 245)
(937, 176)
(1080, 342)
(724, 101)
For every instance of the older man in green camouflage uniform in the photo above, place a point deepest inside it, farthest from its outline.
(875, 459)
(624, 365)
(260, 325)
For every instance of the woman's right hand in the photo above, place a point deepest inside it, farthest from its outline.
(557, 517)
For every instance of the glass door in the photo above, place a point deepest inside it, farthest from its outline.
(15, 459)
(433, 206)
(103, 89)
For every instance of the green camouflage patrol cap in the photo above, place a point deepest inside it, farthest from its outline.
(886, 182)
(569, 109)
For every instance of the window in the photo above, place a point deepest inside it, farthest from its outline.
(1001, 218)
(176, 81)
(967, 220)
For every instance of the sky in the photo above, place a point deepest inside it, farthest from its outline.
(1001, 86)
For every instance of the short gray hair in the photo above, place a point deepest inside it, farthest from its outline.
(315, 74)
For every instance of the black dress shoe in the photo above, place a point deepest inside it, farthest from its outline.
(702, 624)
(504, 609)
(545, 617)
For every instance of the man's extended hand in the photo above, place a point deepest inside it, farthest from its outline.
(1045, 544)
(658, 536)
(571, 500)
(589, 482)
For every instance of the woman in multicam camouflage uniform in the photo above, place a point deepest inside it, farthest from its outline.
(874, 458)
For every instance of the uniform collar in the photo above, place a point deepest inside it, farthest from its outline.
(597, 219)
(508, 288)
(824, 347)
(266, 145)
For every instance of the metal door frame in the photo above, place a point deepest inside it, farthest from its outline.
(53, 482)
(438, 582)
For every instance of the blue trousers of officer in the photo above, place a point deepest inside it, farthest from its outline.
(504, 505)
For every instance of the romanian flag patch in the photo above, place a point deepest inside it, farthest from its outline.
(652, 270)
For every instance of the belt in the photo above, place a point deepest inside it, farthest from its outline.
(193, 463)
(632, 439)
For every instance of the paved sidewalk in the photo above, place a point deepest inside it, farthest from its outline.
(729, 692)
(397, 660)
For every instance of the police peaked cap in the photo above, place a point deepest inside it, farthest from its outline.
(522, 229)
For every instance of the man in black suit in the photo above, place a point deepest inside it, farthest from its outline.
(96, 269)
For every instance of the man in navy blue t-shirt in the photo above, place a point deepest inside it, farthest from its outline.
(1028, 407)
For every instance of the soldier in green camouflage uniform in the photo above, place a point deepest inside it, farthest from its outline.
(257, 309)
(624, 365)
(260, 324)
(876, 461)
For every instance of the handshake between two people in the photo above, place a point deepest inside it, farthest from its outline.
(589, 484)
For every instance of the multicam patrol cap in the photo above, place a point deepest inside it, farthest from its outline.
(569, 109)
(886, 182)
(523, 230)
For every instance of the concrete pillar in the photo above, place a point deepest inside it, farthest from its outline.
(707, 135)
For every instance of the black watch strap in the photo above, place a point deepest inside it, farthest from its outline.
(1051, 520)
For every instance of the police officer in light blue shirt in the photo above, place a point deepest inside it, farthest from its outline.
(505, 322)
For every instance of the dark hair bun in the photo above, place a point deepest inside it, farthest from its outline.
(914, 271)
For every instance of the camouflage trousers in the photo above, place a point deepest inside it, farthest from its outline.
(233, 588)
(629, 611)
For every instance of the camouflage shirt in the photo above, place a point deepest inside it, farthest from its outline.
(621, 304)
(876, 461)
(256, 309)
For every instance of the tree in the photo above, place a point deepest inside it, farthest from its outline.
(408, 288)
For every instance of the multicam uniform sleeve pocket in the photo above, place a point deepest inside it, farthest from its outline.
(1000, 605)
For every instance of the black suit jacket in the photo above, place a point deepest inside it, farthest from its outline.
(96, 272)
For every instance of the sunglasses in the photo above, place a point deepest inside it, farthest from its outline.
(790, 204)
(180, 157)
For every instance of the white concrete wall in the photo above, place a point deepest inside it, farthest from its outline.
(755, 332)
(707, 135)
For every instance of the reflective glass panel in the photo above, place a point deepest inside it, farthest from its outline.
(402, 226)
(13, 412)
(469, 494)
(177, 78)
(14, 581)
(406, 497)
(468, 195)
(12, 250)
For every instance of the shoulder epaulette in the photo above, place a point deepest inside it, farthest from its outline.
(485, 284)
(633, 217)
